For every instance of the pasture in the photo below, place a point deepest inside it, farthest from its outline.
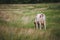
(17, 21)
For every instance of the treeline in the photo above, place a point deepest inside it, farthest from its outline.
(27, 1)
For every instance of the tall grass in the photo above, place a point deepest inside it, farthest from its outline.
(17, 22)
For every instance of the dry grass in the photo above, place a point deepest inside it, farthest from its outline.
(21, 33)
(16, 22)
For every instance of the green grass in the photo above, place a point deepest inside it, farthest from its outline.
(17, 21)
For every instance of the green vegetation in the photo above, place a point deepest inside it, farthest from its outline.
(17, 21)
(27, 1)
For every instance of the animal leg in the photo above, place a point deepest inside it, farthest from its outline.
(36, 26)
(45, 25)
(40, 26)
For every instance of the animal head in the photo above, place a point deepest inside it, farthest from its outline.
(41, 15)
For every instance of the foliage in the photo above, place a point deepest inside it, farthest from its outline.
(26, 1)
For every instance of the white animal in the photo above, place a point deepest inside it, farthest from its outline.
(40, 21)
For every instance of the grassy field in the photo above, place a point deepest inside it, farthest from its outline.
(17, 21)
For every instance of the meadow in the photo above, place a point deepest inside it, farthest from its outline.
(17, 21)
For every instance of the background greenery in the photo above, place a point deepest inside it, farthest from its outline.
(27, 1)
